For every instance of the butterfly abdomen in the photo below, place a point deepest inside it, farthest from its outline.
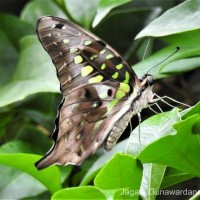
(117, 130)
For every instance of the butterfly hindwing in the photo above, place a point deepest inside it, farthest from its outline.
(85, 120)
(96, 83)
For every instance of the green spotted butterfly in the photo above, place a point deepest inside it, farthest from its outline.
(100, 92)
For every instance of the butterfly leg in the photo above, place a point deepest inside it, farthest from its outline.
(158, 98)
(169, 98)
(149, 106)
(139, 119)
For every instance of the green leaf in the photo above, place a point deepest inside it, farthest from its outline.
(6, 119)
(82, 13)
(194, 110)
(11, 24)
(180, 151)
(182, 18)
(8, 59)
(196, 196)
(174, 176)
(123, 171)
(151, 130)
(105, 7)
(84, 192)
(189, 51)
(17, 147)
(17, 184)
(152, 178)
(35, 137)
(121, 18)
(120, 147)
(35, 73)
(36, 9)
(25, 163)
(186, 58)
(183, 65)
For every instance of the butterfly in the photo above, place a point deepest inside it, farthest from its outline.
(100, 91)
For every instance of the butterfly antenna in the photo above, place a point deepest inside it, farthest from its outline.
(145, 52)
(177, 49)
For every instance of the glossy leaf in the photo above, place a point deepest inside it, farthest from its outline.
(151, 180)
(183, 65)
(113, 176)
(25, 163)
(188, 48)
(192, 111)
(35, 137)
(84, 192)
(174, 176)
(10, 187)
(122, 41)
(82, 13)
(17, 147)
(196, 196)
(36, 9)
(176, 20)
(8, 59)
(11, 24)
(120, 147)
(29, 78)
(151, 130)
(105, 7)
(174, 151)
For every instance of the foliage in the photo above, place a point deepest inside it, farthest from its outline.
(166, 151)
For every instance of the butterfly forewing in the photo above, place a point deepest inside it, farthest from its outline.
(77, 53)
(96, 84)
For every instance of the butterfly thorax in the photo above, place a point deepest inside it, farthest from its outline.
(144, 95)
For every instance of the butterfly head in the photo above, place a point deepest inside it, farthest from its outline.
(145, 94)
(146, 81)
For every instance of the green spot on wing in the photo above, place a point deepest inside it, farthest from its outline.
(86, 70)
(103, 66)
(125, 87)
(103, 51)
(115, 75)
(127, 77)
(87, 42)
(73, 50)
(66, 41)
(93, 56)
(109, 56)
(96, 79)
(119, 66)
(119, 94)
(78, 59)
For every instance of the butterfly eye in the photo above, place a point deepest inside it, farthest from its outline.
(150, 80)
(109, 92)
